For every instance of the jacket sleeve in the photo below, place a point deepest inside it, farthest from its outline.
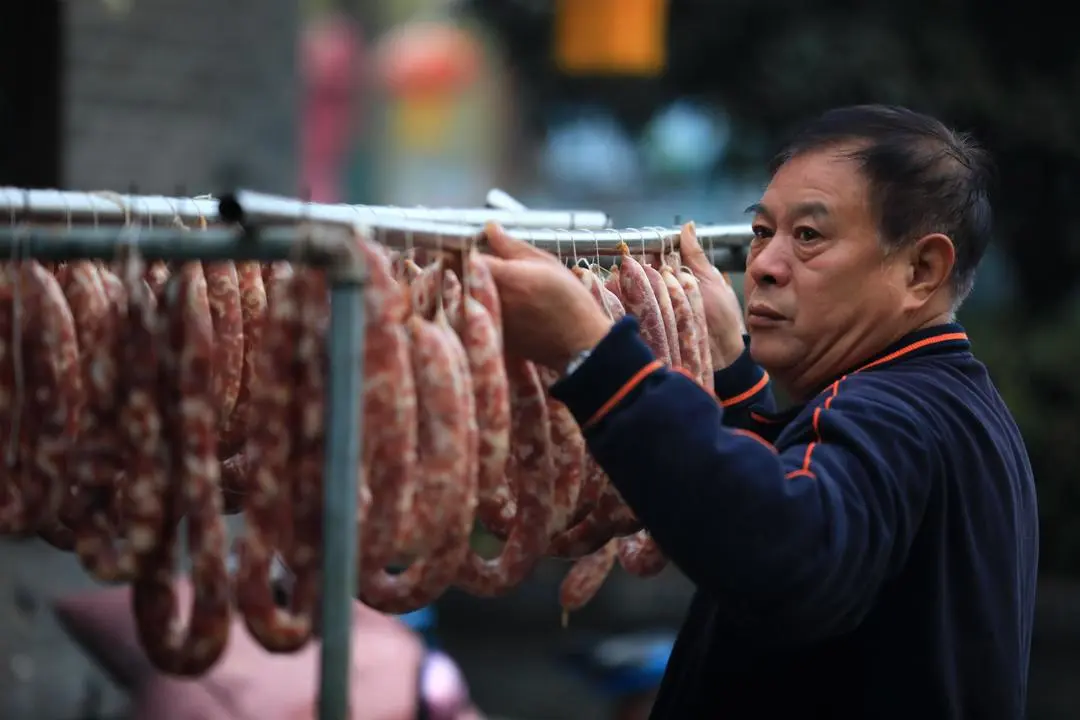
(792, 543)
(743, 388)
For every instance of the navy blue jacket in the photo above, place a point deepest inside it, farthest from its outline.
(871, 554)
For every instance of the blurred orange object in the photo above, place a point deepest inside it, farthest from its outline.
(611, 37)
(426, 58)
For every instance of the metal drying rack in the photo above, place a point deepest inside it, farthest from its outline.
(105, 207)
(320, 246)
(253, 226)
(403, 228)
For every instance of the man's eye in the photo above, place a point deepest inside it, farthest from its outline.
(805, 234)
(761, 232)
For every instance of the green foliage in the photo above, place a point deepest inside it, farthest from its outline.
(1034, 366)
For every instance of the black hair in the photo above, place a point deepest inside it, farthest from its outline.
(923, 178)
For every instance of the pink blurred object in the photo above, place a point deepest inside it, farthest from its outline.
(331, 53)
(248, 682)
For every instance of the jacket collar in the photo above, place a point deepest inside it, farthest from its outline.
(944, 339)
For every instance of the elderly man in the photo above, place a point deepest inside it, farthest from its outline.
(870, 552)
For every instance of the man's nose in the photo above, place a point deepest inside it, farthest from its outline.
(771, 265)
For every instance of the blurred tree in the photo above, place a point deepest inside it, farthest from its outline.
(1006, 72)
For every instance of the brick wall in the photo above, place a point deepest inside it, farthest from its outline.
(191, 93)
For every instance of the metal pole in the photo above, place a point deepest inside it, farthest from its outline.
(261, 208)
(110, 208)
(404, 233)
(340, 522)
(316, 245)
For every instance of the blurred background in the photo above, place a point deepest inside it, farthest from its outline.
(652, 110)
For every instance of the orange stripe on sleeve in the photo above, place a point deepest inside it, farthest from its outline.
(627, 387)
(758, 387)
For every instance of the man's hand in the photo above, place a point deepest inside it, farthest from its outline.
(722, 309)
(548, 315)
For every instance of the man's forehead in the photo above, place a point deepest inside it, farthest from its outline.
(805, 208)
(816, 184)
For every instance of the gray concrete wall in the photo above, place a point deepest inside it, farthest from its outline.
(191, 93)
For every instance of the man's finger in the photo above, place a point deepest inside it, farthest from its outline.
(495, 265)
(693, 255)
(690, 249)
(502, 245)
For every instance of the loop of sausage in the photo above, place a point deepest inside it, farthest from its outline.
(234, 478)
(302, 555)
(447, 467)
(141, 424)
(585, 578)
(55, 397)
(686, 326)
(697, 302)
(640, 555)
(568, 455)
(99, 304)
(496, 412)
(594, 480)
(432, 288)
(531, 469)
(389, 425)
(609, 516)
(638, 299)
(191, 430)
(483, 328)
(667, 313)
(226, 318)
(270, 454)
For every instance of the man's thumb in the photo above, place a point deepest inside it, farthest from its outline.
(693, 256)
(502, 245)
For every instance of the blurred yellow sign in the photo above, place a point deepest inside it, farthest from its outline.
(611, 37)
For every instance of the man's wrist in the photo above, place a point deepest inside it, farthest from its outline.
(582, 344)
(726, 349)
(576, 362)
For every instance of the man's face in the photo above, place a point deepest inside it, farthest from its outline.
(818, 283)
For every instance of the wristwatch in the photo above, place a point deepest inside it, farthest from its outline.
(576, 362)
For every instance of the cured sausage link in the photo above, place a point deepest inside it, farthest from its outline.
(267, 504)
(445, 466)
(389, 464)
(191, 426)
(308, 450)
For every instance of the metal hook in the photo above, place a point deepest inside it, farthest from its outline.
(176, 220)
(663, 244)
(644, 253)
(93, 210)
(148, 215)
(596, 245)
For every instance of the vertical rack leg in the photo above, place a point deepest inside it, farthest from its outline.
(340, 531)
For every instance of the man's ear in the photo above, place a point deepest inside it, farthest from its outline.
(930, 263)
